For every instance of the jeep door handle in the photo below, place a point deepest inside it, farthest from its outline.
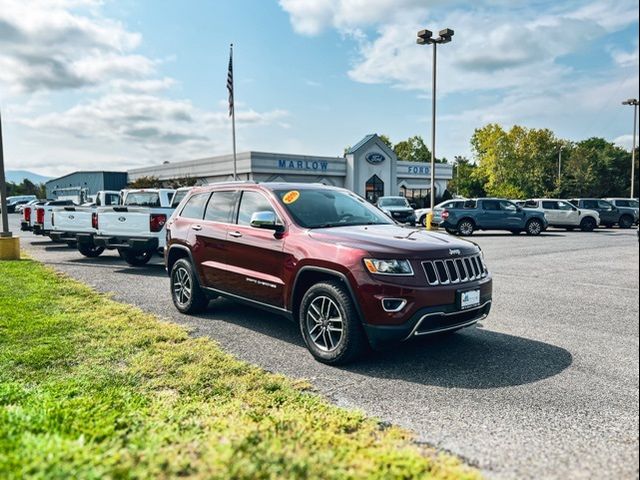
(196, 227)
(235, 234)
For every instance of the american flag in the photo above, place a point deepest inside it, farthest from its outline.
(230, 81)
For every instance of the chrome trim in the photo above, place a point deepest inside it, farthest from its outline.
(468, 269)
(415, 333)
(402, 301)
(245, 299)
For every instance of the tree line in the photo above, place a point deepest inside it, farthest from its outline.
(523, 162)
(26, 187)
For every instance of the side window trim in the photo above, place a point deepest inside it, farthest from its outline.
(235, 206)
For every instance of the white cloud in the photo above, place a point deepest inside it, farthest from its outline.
(58, 44)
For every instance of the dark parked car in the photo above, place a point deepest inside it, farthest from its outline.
(492, 214)
(397, 208)
(610, 215)
(327, 259)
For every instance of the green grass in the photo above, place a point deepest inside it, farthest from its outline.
(91, 388)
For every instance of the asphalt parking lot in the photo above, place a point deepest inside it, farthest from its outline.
(546, 387)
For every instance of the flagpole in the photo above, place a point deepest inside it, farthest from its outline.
(233, 116)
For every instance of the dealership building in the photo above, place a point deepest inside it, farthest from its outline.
(369, 168)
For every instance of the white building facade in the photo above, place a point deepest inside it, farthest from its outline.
(370, 169)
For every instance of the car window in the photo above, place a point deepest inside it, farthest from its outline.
(604, 205)
(111, 199)
(507, 206)
(221, 207)
(319, 208)
(590, 204)
(491, 205)
(250, 203)
(143, 199)
(178, 197)
(549, 205)
(531, 204)
(194, 208)
(469, 204)
(564, 206)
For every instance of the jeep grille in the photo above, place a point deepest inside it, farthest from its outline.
(455, 270)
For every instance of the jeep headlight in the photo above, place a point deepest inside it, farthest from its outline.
(388, 267)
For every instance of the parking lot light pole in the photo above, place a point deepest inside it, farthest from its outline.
(634, 102)
(3, 191)
(425, 37)
(560, 167)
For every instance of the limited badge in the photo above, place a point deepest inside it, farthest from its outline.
(291, 197)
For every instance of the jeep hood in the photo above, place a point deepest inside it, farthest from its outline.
(394, 240)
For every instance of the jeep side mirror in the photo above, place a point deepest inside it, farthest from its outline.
(266, 220)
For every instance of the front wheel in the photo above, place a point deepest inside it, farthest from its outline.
(90, 251)
(186, 293)
(588, 224)
(423, 221)
(534, 227)
(135, 258)
(330, 324)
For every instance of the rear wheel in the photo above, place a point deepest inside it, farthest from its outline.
(534, 227)
(466, 227)
(626, 221)
(588, 224)
(423, 220)
(187, 295)
(90, 251)
(135, 258)
(330, 324)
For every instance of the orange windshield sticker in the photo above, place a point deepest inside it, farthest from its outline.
(291, 197)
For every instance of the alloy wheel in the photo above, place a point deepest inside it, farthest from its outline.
(182, 286)
(324, 323)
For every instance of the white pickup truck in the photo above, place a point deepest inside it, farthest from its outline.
(137, 227)
(75, 225)
(42, 223)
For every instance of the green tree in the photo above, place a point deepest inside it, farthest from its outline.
(518, 163)
(466, 182)
(413, 149)
(146, 182)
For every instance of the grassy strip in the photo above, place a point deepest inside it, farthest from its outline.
(90, 388)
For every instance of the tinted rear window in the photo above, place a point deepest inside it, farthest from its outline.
(178, 197)
(143, 199)
(221, 207)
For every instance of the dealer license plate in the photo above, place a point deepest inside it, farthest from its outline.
(469, 299)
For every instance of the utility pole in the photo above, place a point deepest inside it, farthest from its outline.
(634, 102)
(3, 190)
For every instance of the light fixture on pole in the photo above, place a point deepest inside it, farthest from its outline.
(634, 102)
(425, 37)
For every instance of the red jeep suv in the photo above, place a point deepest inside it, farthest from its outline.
(324, 257)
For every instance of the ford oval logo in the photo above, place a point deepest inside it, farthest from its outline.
(374, 158)
(71, 217)
(122, 219)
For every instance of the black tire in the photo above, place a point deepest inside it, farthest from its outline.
(534, 227)
(343, 347)
(186, 293)
(423, 221)
(588, 224)
(626, 221)
(465, 227)
(90, 250)
(135, 258)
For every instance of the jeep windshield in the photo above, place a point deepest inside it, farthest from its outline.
(324, 208)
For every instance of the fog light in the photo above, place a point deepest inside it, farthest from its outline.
(393, 304)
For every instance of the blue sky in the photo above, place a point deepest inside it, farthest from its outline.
(88, 84)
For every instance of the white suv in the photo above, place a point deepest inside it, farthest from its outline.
(560, 213)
